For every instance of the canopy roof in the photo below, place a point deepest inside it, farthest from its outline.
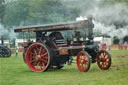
(53, 27)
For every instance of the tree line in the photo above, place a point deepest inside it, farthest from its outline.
(34, 12)
(27, 12)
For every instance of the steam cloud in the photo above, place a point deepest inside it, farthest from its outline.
(110, 19)
(12, 35)
(105, 16)
(4, 31)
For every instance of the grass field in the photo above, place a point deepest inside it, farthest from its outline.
(14, 72)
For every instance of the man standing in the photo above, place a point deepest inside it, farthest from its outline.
(125, 45)
(16, 54)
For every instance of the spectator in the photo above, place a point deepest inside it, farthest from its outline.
(70, 60)
(109, 47)
(120, 45)
(125, 45)
(16, 54)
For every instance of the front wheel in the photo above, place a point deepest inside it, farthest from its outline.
(104, 60)
(38, 57)
(83, 61)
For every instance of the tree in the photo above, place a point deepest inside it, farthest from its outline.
(16, 13)
(2, 10)
(50, 11)
(125, 38)
(32, 12)
(116, 40)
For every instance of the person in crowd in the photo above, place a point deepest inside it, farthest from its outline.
(16, 54)
(109, 47)
(70, 60)
(120, 45)
(125, 45)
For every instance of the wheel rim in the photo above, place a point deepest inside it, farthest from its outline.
(103, 60)
(5, 52)
(82, 61)
(37, 58)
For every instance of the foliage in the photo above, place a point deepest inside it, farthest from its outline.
(16, 13)
(126, 38)
(2, 10)
(32, 12)
(116, 40)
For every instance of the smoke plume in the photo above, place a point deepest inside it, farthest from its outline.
(110, 19)
(7, 33)
(3, 31)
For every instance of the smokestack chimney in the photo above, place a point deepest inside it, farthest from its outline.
(2, 40)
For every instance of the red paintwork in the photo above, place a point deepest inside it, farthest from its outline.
(103, 59)
(25, 45)
(33, 52)
(82, 61)
(63, 51)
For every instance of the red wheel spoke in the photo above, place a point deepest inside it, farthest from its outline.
(35, 63)
(83, 61)
(32, 57)
(43, 64)
(102, 66)
(40, 50)
(37, 57)
(107, 58)
(104, 62)
(43, 55)
(82, 65)
(43, 50)
(86, 60)
(45, 61)
(32, 54)
(105, 55)
(40, 65)
(81, 58)
(102, 55)
(32, 61)
(80, 61)
(100, 59)
(37, 47)
(107, 61)
(35, 52)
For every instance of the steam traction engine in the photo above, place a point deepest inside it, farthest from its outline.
(5, 52)
(52, 49)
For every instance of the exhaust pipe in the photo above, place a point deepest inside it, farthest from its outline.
(2, 40)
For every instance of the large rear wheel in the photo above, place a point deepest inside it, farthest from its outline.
(38, 57)
(83, 61)
(5, 52)
(104, 60)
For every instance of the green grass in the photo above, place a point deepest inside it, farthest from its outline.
(14, 72)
